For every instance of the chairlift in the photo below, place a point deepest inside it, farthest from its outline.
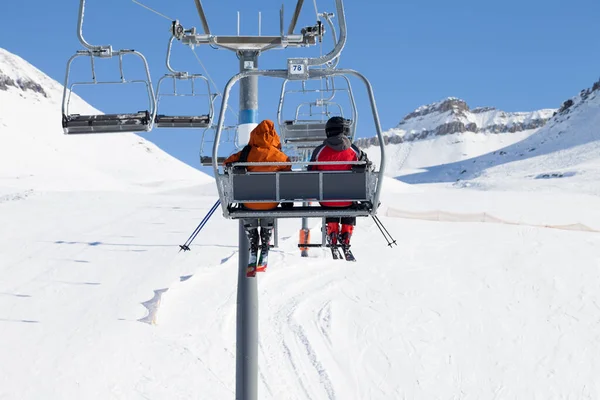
(105, 123)
(183, 121)
(307, 128)
(361, 185)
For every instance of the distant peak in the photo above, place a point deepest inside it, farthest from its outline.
(452, 104)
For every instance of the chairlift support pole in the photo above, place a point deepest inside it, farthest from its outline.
(248, 49)
(246, 387)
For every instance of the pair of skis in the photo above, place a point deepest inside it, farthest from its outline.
(257, 262)
(344, 254)
(341, 255)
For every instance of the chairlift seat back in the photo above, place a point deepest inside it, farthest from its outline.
(299, 186)
(294, 132)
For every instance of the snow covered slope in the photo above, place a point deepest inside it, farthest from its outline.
(35, 154)
(488, 295)
(563, 155)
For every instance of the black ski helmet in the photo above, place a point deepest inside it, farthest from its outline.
(336, 126)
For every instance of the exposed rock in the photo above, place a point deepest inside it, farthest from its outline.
(452, 115)
(23, 84)
(456, 106)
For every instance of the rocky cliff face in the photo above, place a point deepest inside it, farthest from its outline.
(452, 116)
(22, 84)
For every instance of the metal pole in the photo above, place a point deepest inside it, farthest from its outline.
(246, 385)
(295, 17)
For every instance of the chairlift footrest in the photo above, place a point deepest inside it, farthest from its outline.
(167, 121)
(106, 123)
(362, 210)
(208, 161)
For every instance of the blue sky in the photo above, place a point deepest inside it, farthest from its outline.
(514, 55)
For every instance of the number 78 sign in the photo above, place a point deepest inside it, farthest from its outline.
(297, 69)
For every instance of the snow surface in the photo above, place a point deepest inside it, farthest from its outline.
(501, 309)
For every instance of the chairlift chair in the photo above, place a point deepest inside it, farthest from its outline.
(105, 123)
(361, 185)
(307, 129)
(183, 121)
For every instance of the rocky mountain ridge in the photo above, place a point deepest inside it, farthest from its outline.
(452, 115)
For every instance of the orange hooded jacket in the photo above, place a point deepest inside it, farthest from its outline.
(265, 147)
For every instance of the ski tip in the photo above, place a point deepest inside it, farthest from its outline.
(262, 268)
(184, 247)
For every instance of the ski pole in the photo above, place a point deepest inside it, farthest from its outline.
(382, 229)
(186, 245)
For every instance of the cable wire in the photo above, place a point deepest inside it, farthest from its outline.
(235, 113)
(316, 10)
(154, 11)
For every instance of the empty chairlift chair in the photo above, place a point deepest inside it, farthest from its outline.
(105, 123)
(307, 129)
(162, 120)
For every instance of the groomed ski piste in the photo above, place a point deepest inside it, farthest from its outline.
(491, 293)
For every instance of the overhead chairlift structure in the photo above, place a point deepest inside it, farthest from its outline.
(105, 123)
(162, 120)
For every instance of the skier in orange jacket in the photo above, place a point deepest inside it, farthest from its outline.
(264, 146)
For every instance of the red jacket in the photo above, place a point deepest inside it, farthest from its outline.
(336, 148)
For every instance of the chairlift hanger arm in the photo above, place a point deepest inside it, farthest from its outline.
(168, 59)
(101, 51)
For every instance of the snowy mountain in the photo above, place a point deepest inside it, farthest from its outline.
(566, 148)
(451, 116)
(35, 154)
(449, 131)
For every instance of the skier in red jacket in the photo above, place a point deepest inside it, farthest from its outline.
(337, 147)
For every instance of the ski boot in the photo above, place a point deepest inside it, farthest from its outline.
(345, 241)
(253, 256)
(332, 239)
(265, 238)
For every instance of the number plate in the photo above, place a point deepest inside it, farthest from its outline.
(297, 68)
